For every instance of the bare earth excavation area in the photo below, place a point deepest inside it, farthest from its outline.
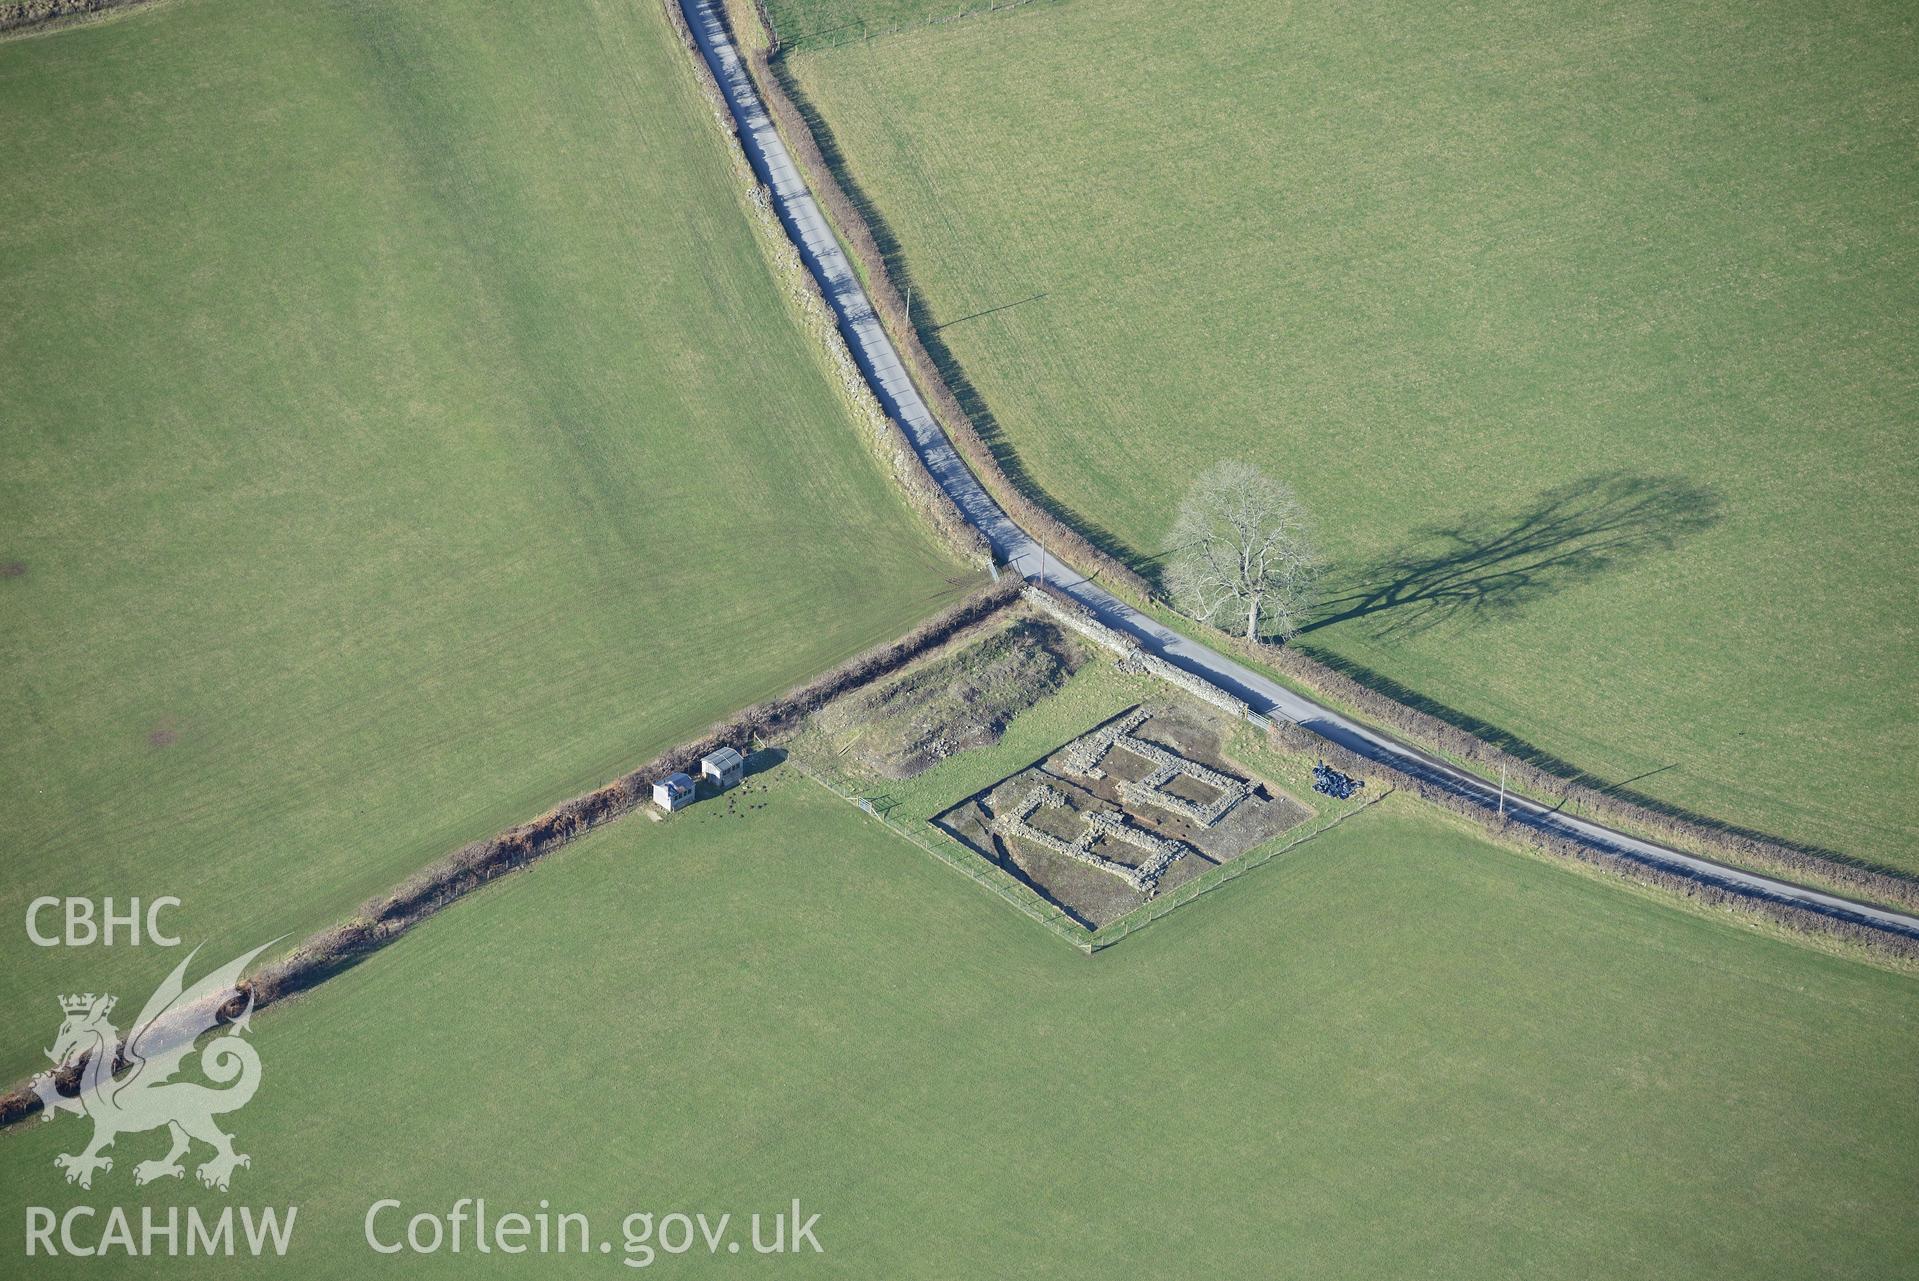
(1143, 803)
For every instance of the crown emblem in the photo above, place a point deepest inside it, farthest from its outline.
(81, 1004)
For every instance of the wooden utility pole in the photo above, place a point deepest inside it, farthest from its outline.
(1502, 791)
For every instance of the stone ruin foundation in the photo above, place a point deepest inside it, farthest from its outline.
(1084, 755)
(1161, 852)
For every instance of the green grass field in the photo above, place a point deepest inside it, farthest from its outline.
(1586, 331)
(403, 431)
(814, 23)
(1394, 1051)
(406, 431)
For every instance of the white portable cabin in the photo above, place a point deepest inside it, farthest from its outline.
(725, 767)
(673, 792)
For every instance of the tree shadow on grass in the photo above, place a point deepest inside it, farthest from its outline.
(1492, 565)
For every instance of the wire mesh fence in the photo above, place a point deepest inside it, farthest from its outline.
(1035, 906)
(1153, 909)
(1020, 897)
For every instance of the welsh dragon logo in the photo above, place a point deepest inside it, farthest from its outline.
(142, 1095)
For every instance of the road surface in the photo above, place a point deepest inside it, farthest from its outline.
(880, 362)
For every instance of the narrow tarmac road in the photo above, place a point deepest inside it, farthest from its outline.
(807, 225)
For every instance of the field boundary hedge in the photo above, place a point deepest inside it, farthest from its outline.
(886, 437)
(891, 307)
(22, 15)
(1497, 826)
(1694, 832)
(1505, 830)
(1434, 734)
(381, 920)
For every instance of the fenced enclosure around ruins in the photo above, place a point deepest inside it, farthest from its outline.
(1101, 808)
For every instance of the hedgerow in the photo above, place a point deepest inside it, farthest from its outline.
(1429, 731)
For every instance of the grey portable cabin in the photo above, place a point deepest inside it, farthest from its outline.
(725, 767)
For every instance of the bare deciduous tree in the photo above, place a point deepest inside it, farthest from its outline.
(1240, 556)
